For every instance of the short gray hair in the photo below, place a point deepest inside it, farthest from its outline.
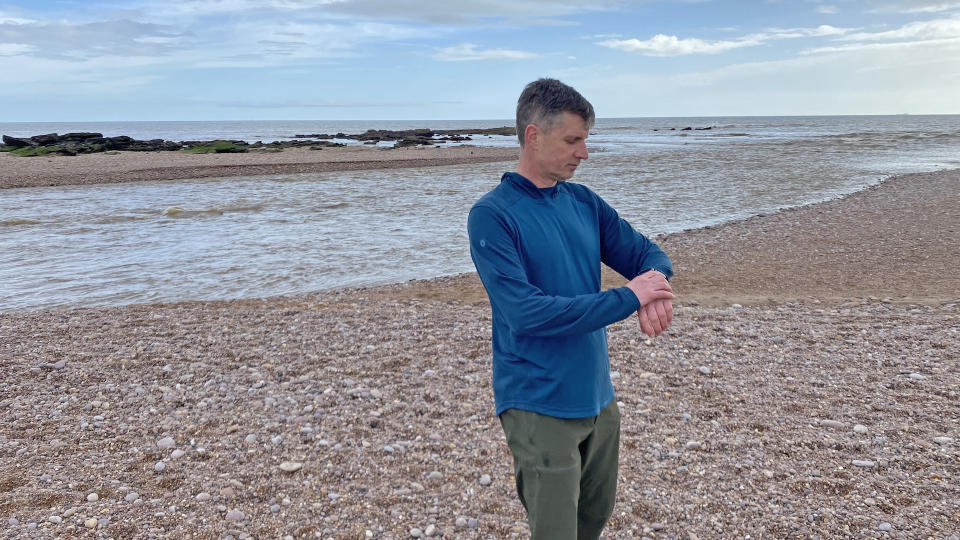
(543, 102)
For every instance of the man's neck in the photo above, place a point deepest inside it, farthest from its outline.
(538, 180)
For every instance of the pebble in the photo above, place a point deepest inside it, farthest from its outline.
(885, 526)
(166, 442)
(692, 445)
(333, 495)
(250, 439)
(431, 530)
(291, 466)
(46, 478)
(704, 370)
(90, 523)
(160, 466)
(132, 496)
(235, 515)
(276, 440)
(460, 523)
(435, 475)
(472, 523)
(416, 532)
(203, 496)
(177, 454)
(863, 463)
(658, 526)
(831, 424)
(93, 497)
(917, 376)
(275, 508)
(13, 522)
(485, 480)
(943, 440)
(860, 428)
(55, 519)
(69, 512)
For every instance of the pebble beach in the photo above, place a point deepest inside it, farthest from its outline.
(808, 387)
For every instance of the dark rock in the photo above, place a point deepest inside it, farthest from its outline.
(80, 137)
(45, 140)
(17, 142)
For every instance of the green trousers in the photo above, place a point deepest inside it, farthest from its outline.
(566, 470)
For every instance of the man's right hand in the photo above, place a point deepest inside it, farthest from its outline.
(654, 293)
(650, 286)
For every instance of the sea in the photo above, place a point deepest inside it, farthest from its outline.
(260, 236)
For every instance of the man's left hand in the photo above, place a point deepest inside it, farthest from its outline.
(655, 317)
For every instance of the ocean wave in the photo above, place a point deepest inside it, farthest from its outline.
(17, 221)
(178, 212)
(894, 136)
(107, 220)
(331, 205)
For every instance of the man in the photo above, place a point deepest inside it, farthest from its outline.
(537, 242)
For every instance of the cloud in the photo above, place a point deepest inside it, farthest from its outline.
(326, 104)
(663, 45)
(481, 12)
(820, 31)
(917, 6)
(14, 49)
(8, 19)
(79, 41)
(827, 10)
(921, 30)
(475, 12)
(947, 42)
(468, 51)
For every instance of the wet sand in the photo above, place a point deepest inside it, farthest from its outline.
(808, 387)
(105, 168)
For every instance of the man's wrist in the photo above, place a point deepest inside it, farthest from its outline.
(654, 270)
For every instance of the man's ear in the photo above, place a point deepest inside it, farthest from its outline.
(531, 136)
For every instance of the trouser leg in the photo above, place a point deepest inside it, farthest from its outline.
(565, 479)
(598, 484)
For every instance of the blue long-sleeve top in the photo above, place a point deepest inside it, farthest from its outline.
(538, 253)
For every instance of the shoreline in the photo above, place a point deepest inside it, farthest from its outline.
(916, 213)
(101, 168)
(845, 268)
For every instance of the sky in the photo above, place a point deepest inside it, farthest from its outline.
(89, 60)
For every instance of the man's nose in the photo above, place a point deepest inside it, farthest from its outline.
(581, 152)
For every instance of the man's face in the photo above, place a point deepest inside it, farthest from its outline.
(560, 150)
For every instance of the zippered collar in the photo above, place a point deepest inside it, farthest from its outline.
(526, 186)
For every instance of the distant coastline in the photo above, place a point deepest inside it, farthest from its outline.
(88, 142)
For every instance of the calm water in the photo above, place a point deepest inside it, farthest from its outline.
(269, 235)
